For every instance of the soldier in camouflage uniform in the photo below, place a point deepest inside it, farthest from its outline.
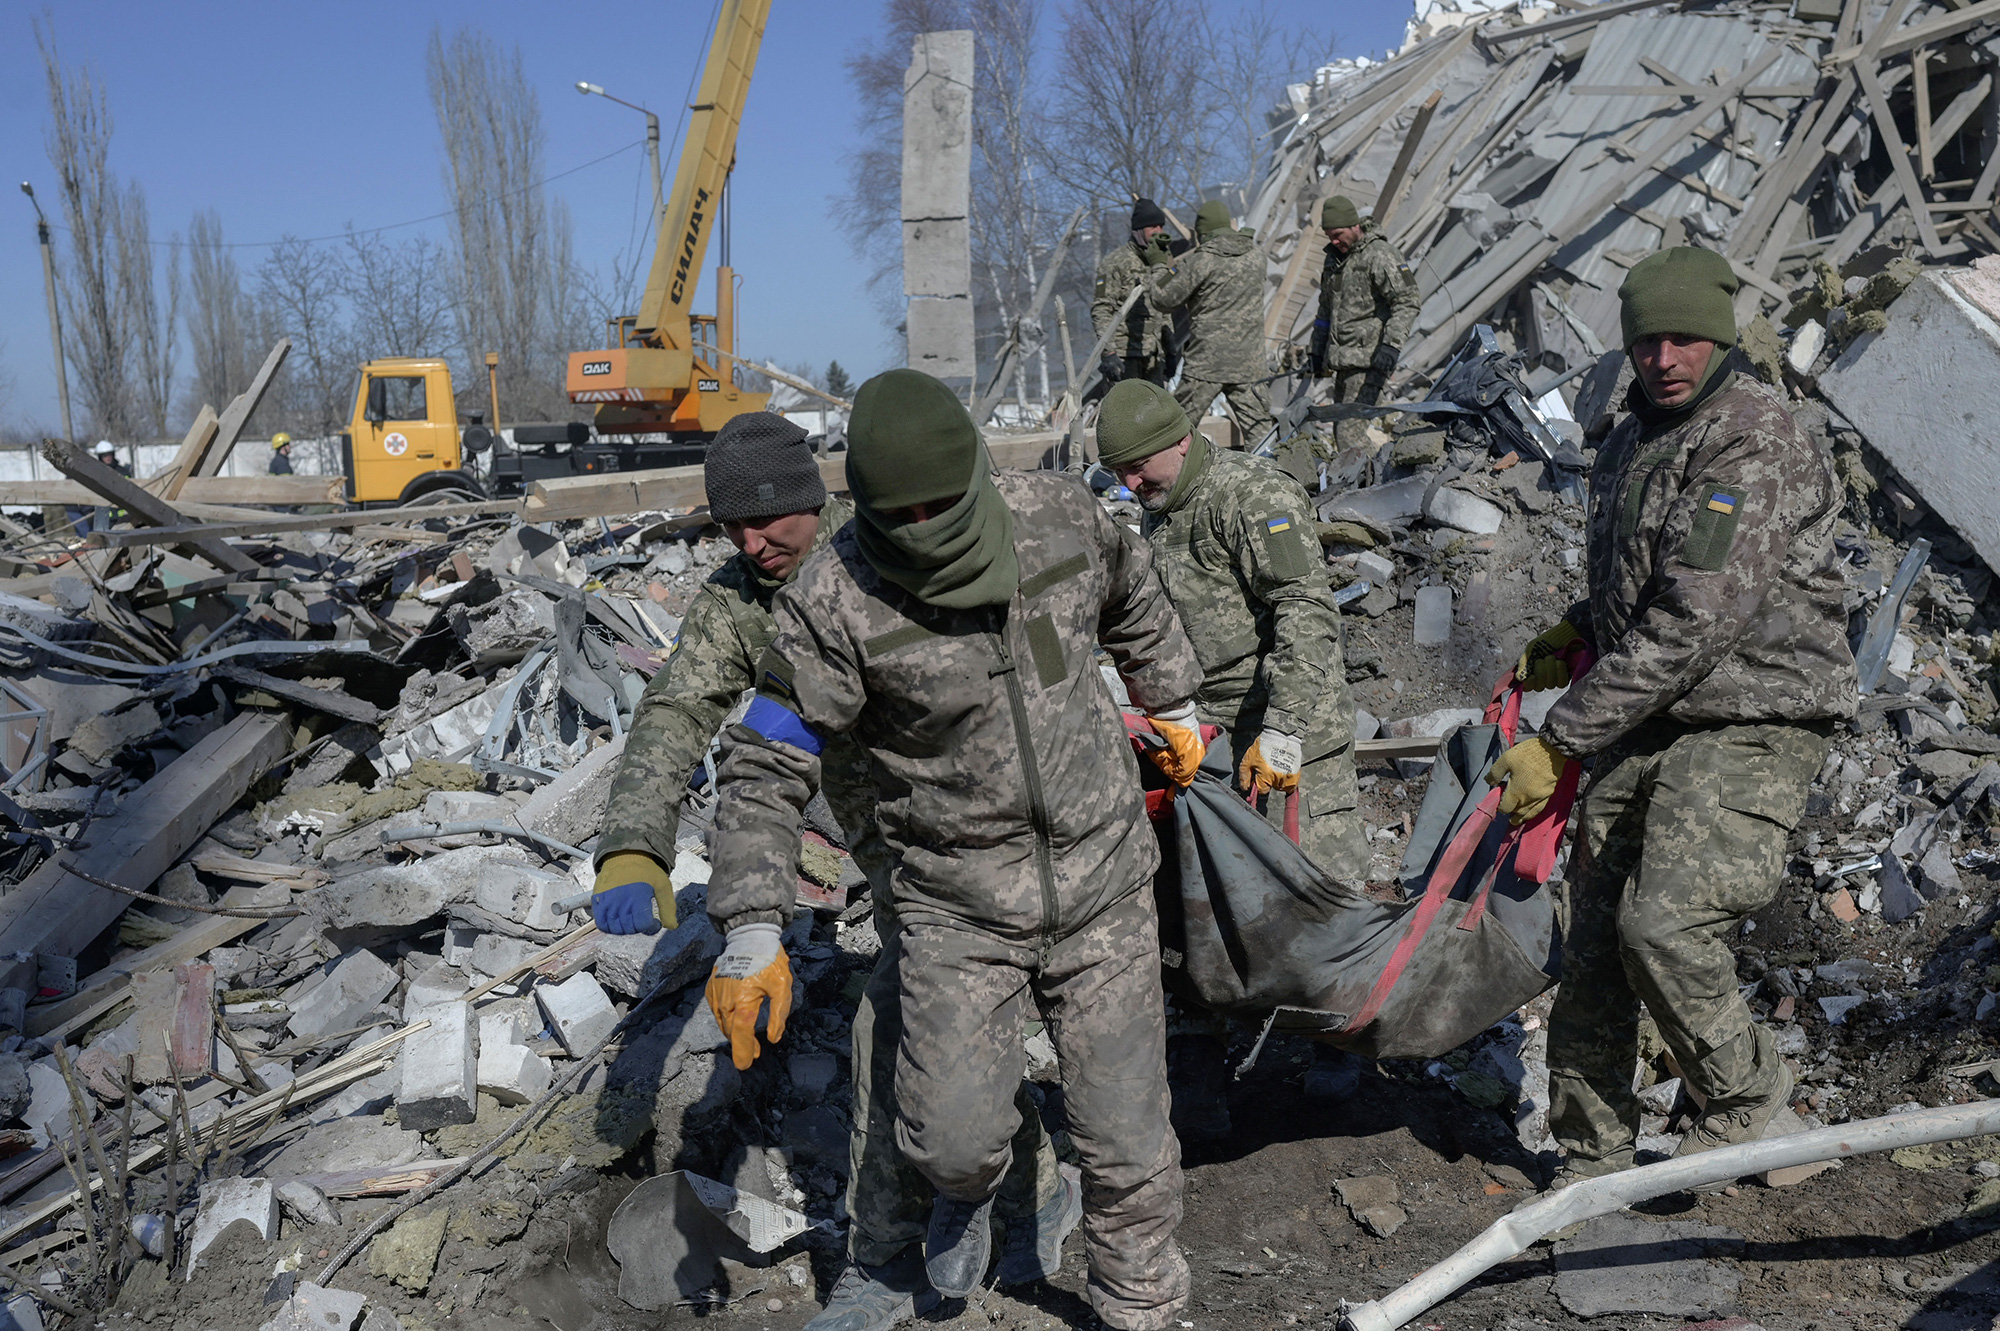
(1722, 667)
(1221, 282)
(1234, 539)
(764, 486)
(1140, 349)
(951, 629)
(1367, 306)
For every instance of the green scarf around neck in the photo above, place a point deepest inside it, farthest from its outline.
(962, 558)
(1192, 468)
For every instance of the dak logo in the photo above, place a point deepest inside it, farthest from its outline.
(709, 385)
(591, 367)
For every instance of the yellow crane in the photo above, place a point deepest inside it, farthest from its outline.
(670, 370)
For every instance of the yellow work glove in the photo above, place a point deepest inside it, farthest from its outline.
(633, 894)
(1183, 754)
(1541, 666)
(1530, 771)
(753, 967)
(1272, 762)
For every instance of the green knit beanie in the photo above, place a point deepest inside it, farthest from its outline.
(1683, 290)
(1339, 211)
(1138, 419)
(1211, 217)
(909, 441)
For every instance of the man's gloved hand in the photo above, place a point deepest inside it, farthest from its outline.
(1385, 359)
(1541, 665)
(1183, 754)
(753, 967)
(1157, 251)
(1272, 762)
(1316, 351)
(1530, 771)
(1112, 368)
(631, 886)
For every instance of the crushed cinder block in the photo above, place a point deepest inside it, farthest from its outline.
(380, 905)
(634, 964)
(315, 1308)
(437, 986)
(227, 1202)
(525, 895)
(1377, 570)
(571, 807)
(579, 1010)
(1466, 512)
(306, 1204)
(439, 1066)
(497, 954)
(509, 1071)
(1433, 616)
(341, 998)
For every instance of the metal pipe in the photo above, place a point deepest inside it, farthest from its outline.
(1514, 1234)
(425, 831)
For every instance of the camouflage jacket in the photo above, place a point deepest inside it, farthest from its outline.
(1005, 786)
(1221, 281)
(1715, 595)
(1146, 326)
(1366, 297)
(1243, 567)
(715, 657)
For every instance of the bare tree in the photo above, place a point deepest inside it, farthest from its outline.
(218, 316)
(510, 249)
(300, 289)
(1133, 113)
(400, 294)
(153, 326)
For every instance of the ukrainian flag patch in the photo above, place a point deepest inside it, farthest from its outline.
(1278, 525)
(1722, 502)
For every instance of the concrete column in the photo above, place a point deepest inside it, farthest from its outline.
(937, 195)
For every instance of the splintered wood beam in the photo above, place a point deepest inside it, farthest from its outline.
(238, 415)
(168, 483)
(1385, 202)
(1917, 34)
(142, 504)
(1899, 156)
(1920, 84)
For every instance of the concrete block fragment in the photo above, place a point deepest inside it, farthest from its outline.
(631, 964)
(439, 1066)
(382, 904)
(1807, 343)
(458, 941)
(48, 1111)
(571, 807)
(306, 1204)
(438, 986)
(343, 997)
(1398, 501)
(232, 1201)
(512, 1073)
(1379, 570)
(524, 895)
(1466, 512)
(497, 954)
(1433, 620)
(467, 806)
(315, 1308)
(579, 1010)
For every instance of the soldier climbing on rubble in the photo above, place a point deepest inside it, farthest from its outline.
(1234, 541)
(1715, 611)
(764, 486)
(1367, 306)
(951, 629)
(1221, 282)
(1139, 349)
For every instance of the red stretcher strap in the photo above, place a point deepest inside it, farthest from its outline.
(1257, 792)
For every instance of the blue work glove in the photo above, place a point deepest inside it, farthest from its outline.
(629, 887)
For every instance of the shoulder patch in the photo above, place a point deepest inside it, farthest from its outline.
(1286, 547)
(1714, 528)
(774, 677)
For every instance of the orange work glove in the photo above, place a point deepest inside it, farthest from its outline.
(1530, 771)
(753, 967)
(1272, 763)
(1183, 754)
(1541, 665)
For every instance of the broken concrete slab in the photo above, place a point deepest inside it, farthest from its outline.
(1433, 616)
(306, 1204)
(343, 1144)
(571, 807)
(1624, 1263)
(342, 997)
(1465, 512)
(227, 1202)
(633, 964)
(382, 904)
(314, 1308)
(524, 895)
(1373, 1202)
(579, 1010)
(439, 1066)
(1398, 501)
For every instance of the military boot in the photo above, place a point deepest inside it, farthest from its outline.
(1033, 1247)
(875, 1298)
(1732, 1124)
(959, 1245)
(1198, 1075)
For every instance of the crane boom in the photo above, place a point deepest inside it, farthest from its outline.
(665, 375)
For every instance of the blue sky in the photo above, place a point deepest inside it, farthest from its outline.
(306, 118)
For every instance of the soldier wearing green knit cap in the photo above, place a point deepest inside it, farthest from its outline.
(1722, 667)
(1221, 283)
(1233, 538)
(952, 631)
(1367, 306)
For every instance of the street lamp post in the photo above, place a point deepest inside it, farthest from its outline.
(55, 315)
(652, 147)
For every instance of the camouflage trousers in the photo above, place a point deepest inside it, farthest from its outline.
(888, 1201)
(1330, 831)
(1098, 991)
(1361, 385)
(1681, 835)
(1250, 403)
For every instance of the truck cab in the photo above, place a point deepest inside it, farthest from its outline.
(403, 440)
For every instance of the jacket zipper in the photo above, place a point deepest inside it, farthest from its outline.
(1031, 775)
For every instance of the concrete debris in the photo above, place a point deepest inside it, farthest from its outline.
(250, 1202)
(1625, 1263)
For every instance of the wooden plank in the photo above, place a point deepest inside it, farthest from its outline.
(1585, 18)
(1413, 746)
(238, 415)
(1385, 202)
(343, 705)
(1918, 34)
(283, 522)
(107, 988)
(200, 435)
(1920, 84)
(143, 505)
(1899, 156)
(58, 914)
(202, 490)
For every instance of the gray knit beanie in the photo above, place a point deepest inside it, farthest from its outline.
(760, 467)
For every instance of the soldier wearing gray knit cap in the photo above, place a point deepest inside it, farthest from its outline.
(760, 466)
